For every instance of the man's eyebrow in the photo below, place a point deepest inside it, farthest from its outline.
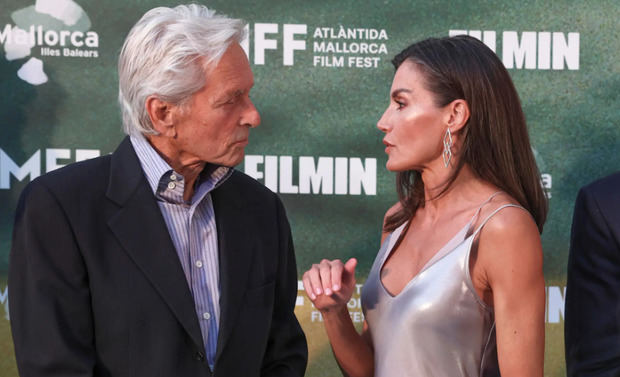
(396, 92)
(233, 93)
(228, 95)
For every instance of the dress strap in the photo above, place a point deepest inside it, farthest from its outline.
(491, 197)
(468, 278)
(460, 236)
(482, 205)
(493, 213)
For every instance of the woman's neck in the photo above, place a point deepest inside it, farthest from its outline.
(466, 187)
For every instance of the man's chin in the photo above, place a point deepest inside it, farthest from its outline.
(233, 161)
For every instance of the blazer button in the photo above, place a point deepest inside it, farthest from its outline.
(199, 356)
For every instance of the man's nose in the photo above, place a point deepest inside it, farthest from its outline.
(251, 116)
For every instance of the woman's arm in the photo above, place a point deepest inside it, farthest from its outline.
(510, 261)
(329, 285)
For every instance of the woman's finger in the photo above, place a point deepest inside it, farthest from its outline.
(326, 276)
(315, 279)
(336, 275)
(308, 286)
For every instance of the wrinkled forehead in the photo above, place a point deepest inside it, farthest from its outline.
(232, 71)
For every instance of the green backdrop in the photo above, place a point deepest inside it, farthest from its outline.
(320, 92)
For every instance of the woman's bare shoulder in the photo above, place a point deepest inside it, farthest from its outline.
(509, 243)
(504, 214)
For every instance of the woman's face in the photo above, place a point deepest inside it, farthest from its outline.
(413, 125)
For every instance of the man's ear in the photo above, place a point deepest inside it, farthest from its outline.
(457, 114)
(161, 115)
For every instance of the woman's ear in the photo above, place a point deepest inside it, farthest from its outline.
(457, 114)
(161, 115)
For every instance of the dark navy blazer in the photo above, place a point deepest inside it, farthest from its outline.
(592, 312)
(96, 287)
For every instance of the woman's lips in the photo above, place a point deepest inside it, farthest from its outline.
(387, 145)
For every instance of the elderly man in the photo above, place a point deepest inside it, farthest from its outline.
(161, 260)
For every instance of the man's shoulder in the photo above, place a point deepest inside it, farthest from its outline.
(601, 197)
(83, 175)
(246, 191)
(244, 184)
(605, 188)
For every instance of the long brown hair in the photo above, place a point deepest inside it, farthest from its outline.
(496, 144)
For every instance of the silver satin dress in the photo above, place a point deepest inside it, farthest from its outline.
(437, 325)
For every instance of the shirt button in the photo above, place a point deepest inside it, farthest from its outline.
(173, 177)
(171, 185)
(199, 356)
(198, 263)
(206, 315)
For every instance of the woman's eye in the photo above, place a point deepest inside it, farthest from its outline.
(399, 104)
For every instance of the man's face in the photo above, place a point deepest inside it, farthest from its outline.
(214, 127)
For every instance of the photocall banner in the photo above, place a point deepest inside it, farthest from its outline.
(322, 77)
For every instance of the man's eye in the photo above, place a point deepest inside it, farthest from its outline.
(399, 104)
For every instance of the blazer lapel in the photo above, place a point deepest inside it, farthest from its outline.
(141, 230)
(235, 254)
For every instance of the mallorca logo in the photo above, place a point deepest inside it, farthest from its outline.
(51, 27)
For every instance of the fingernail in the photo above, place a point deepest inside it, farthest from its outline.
(312, 296)
(328, 291)
(336, 287)
(318, 291)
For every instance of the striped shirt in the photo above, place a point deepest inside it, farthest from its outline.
(193, 231)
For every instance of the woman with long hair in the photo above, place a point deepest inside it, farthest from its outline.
(457, 288)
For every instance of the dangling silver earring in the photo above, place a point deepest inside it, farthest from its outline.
(447, 148)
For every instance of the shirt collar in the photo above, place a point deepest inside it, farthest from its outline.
(155, 168)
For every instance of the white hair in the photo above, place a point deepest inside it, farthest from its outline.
(167, 54)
